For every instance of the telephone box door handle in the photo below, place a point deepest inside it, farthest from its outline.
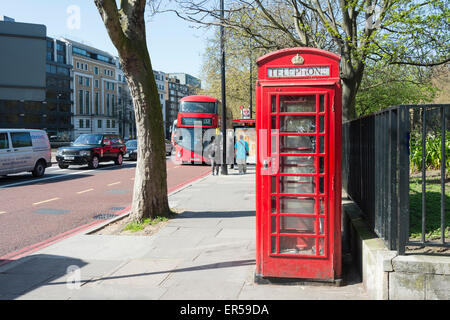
(265, 164)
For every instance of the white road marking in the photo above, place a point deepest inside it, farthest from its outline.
(113, 184)
(53, 199)
(2, 212)
(84, 191)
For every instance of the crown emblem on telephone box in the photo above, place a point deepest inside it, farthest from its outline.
(298, 59)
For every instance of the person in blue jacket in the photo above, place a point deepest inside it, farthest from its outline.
(241, 150)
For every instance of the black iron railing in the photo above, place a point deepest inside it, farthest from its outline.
(376, 170)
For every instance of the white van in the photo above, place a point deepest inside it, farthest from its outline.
(24, 150)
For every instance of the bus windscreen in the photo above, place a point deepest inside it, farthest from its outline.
(197, 107)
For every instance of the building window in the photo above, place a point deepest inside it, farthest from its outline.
(96, 84)
(113, 125)
(113, 104)
(86, 67)
(80, 80)
(80, 101)
(78, 65)
(108, 124)
(86, 81)
(81, 123)
(112, 85)
(96, 103)
(87, 96)
(107, 85)
(99, 124)
(107, 104)
(88, 123)
(120, 77)
(96, 70)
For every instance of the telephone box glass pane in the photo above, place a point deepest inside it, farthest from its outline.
(298, 124)
(299, 165)
(321, 103)
(297, 225)
(297, 184)
(304, 205)
(298, 245)
(273, 205)
(273, 184)
(273, 244)
(321, 246)
(305, 103)
(273, 104)
(273, 224)
(321, 124)
(297, 144)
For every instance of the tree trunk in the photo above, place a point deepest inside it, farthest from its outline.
(126, 28)
(150, 184)
(351, 77)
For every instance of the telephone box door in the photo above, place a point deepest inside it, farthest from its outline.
(298, 215)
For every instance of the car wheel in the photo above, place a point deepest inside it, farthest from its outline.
(93, 164)
(39, 169)
(63, 166)
(119, 159)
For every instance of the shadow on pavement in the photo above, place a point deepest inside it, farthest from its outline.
(29, 273)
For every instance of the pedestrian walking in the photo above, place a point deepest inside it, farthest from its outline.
(213, 155)
(241, 150)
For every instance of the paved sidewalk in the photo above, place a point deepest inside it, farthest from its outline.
(207, 252)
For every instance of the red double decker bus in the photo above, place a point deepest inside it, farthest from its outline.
(197, 115)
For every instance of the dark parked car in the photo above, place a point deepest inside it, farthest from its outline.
(131, 153)
(91, 149)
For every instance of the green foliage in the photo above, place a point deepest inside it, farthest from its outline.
(433, 151)
(384, 86)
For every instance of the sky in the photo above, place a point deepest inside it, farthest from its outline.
(174, 45)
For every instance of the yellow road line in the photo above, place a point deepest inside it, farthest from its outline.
(87, 190)
(112, 184)
(53, 199)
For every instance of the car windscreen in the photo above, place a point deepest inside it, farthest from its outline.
(200, 107)
(131, 144)
(88, 139)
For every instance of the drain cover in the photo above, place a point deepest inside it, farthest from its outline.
(117, 208)
(104, 216)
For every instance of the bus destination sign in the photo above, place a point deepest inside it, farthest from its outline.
(293, 72)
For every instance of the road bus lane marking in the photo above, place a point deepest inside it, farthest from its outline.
(45, 201)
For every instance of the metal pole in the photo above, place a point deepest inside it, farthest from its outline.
(224, 167)
(251, 90)
(443, 132)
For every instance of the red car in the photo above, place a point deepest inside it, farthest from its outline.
(91, 149)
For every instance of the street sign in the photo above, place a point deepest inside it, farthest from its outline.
(245, 113)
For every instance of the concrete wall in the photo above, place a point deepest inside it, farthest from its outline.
(22, 61)
(388, 276)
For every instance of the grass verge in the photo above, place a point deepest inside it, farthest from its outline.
(138, 226)
(432, 205)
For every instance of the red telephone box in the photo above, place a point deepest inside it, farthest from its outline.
(298, 168)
